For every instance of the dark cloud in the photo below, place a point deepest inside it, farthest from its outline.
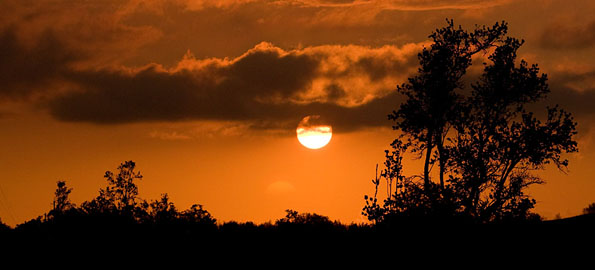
(564, 35)
(578, 100)
(342, 119)
(580, 104)
(371, 114)
(265, 72)
(217, 91)
(267, 86)
(117, 97)
(25, 68)
(377, 67)
(335, 92)
(111, 107)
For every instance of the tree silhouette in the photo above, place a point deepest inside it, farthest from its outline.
(432, 100)
(485, 140)
(498, 143)
(197, 215)
(295, 217)
(61, 202)
(163, 211)
(306, 222)
(120, 195)
(122, 189)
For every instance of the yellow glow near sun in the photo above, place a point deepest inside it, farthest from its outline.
(313, 135)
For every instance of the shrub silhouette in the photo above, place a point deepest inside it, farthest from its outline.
(3, 227)
(293, 217)
(589, 210)
(483, 140)
(307, 222)
(163, 211)
(117, 212)
(198, 215)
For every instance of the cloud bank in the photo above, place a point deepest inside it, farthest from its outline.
(86, 61)
(267, 86)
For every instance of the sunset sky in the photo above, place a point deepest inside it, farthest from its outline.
(205, 96)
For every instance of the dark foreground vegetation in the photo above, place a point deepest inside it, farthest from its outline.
(118, 219)
(482, 138)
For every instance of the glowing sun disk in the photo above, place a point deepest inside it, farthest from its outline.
(314, 137)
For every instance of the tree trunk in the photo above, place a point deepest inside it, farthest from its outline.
(441, 156)
(498, 201)
(429, 147)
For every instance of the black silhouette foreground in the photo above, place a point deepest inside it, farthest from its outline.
(117, 221)
(483, 140)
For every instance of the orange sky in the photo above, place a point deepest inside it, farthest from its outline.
(205, 97)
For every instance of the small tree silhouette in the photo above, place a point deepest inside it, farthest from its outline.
(163, 211)
(306, 222)
(61, 202)
(294, 217)
(197, 215)
(4, 227)
(589, 210)
(122, 189)
(120, 195)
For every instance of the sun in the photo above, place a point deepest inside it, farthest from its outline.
(313, 133)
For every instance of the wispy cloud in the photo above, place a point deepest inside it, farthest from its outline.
(169, 136)
(401, 4)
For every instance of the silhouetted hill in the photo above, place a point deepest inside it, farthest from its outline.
(585, 220)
